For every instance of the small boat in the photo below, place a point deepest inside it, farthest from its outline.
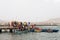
(44, 30)
(21, 32)
(35, 29)
(31, 30)
(49, 30)
(54, 30)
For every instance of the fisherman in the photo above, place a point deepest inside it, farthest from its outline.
(20, 26)
(15, 24)
(11, 24)
(29, 26)
(25, 25)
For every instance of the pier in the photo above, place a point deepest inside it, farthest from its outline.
(7, 27)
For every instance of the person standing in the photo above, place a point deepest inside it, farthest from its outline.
(25, 26)
(20, 26)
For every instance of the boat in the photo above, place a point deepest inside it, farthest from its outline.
(36, 30)
(49, 30)
(21, 32)
(44, 30)
(54, 30)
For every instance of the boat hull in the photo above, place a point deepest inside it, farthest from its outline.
(51, 30)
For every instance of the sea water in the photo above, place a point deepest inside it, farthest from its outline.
(33, 36)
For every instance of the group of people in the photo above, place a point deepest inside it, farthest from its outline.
(22, 26)
(27, 26)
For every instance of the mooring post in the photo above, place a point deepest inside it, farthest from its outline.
(0, 30)
(11, 30)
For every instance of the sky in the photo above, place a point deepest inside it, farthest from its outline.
(29, 10)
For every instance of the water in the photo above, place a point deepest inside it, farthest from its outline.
(32, 36)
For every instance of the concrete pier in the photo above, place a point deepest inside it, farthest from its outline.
(7, 27)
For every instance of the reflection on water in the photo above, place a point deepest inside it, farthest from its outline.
(30, 36)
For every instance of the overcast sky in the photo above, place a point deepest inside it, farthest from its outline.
(29, 10)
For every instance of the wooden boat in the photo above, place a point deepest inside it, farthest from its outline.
(44, 30)
(21, 32)
(49, 30)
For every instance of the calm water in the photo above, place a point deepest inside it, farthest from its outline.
(32, 36)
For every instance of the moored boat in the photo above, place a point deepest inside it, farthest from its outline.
(49, 30)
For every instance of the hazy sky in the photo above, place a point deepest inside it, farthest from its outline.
(29, 10)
